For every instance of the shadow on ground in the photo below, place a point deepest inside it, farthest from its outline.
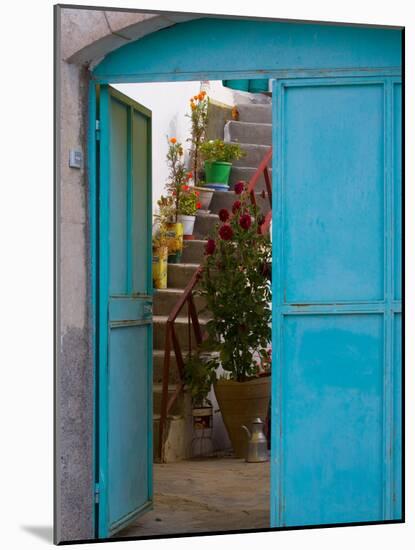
(43, 532)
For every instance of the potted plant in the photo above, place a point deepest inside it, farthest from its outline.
(160, 254)
(199, 117)
(199, 375)
(169, 229)
(218, 157)
(188, 205)
(237, 292)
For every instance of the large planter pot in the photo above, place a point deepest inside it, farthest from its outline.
(240, 403)
(188, 224)
(217, 171)
(205, 197)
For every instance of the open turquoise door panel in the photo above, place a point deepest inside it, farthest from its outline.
(336, 398)
(124, 353)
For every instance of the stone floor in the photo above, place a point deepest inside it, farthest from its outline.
(201, 495)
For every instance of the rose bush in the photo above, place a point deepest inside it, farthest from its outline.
(236, 289)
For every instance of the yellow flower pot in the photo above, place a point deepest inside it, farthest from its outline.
(160, 267)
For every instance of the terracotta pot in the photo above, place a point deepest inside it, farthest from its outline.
(240, 403)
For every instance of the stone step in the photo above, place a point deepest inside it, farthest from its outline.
(178, 275)
(226, 200)
(254, 155)
(193, 251)
(158, 365)
(255, 113)
(250, 98)
(165, 299)
(245, 174)
(248, 132)
(204, 226)
(181, 329)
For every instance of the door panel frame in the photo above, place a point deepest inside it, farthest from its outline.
(388, 307)
(94, 207)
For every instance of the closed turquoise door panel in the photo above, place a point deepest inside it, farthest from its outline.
(336, 448)
(125, 321)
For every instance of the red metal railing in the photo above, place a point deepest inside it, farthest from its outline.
(263, 169)
(172, 340)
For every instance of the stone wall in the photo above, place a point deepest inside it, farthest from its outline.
(83, 37)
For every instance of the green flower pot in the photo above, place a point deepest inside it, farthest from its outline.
(217, 172)
(241, 84)
(174, 258)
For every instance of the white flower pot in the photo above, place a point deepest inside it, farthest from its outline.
(188, 223)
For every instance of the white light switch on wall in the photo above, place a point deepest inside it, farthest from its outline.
(75, 158)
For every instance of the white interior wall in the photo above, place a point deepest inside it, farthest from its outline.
(169, 103)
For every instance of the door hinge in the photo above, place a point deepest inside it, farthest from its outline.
(97, 130)
(96, 493)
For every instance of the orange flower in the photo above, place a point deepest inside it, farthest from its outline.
(203, 93)
(195, 97)
(173, 140)
(235, 113)
(193, 106)
(200, 96)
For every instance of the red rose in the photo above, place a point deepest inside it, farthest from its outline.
(226, 232)
(198, 205)
(210, 247)
(239, 187)
(223, 215)
(236, 206)
(245, 221)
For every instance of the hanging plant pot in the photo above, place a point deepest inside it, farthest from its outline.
(160, 267)
(258, 85)
(188, 224)
(237, 84)
(217, 171)
(205, 197)
(240, 403)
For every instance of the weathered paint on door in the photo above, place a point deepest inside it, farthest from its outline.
(124, 421)
(336, 398)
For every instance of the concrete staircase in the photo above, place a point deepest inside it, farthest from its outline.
(253, 132)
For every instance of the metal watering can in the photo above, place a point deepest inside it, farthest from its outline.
(257, 442)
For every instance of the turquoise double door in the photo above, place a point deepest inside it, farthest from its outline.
(336, 371)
